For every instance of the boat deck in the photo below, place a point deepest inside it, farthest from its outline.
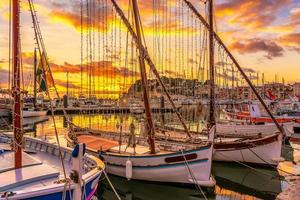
(95, 143)
(7, 161)
(40, 167)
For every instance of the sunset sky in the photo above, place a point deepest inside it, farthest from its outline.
(262, 34)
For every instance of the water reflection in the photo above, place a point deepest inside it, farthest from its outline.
(233, 182)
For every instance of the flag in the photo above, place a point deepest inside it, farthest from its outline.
(44, 76)
(270, 95)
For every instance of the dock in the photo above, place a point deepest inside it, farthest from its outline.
(104, 110)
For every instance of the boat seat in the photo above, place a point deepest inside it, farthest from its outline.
(26, 175)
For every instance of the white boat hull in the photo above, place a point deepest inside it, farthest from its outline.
(136, 110)
(263, 154)
(33, 113)
(165, 168)
(252, 130)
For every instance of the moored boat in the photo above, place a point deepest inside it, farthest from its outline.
(260, 151)
(178, 166)
(254, 115)
(47, 181)
(34, 112)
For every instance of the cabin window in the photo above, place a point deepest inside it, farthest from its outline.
(181, 158)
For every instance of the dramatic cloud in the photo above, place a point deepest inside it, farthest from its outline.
(101, 68)
(249, 70)
(258, 45)
(252, 14)
(294, 18)
(100, 17)
(64, 84)
(292, 41)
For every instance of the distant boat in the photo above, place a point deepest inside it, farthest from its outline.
(135, 107)
(31, 112)
(254, 115)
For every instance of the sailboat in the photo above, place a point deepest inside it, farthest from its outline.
(258, 149)
(34, 169)
(254, 115)
(264, 150)
(151, 164)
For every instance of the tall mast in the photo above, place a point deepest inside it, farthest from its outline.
(34, 78)
(220, 42)
(150, 63)
(16, 83)
(67, 85)
(212, 120)
(143, 76)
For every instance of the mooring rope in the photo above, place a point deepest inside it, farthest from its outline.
(192, 175)
(111, 185)
(272, 165)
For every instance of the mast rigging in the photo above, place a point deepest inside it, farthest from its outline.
(220, 42)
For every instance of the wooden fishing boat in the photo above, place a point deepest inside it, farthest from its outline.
(260, 148)
(256, 149)
(233, 129)
(47, 181)
(260, 151)
(191, 166)
(240, 129)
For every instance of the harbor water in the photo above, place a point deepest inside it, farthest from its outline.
(234, 181)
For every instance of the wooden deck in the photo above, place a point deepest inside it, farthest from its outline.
(95, 143)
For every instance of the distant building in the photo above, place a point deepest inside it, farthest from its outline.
(296, 89)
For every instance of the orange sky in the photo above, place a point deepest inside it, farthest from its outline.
(262, 34)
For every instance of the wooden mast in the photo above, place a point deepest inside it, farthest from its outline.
(34, 78)
(16, 83)
(212, 120)
(220, 42)
(150, 63)
(68, 85)
(143, 77)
